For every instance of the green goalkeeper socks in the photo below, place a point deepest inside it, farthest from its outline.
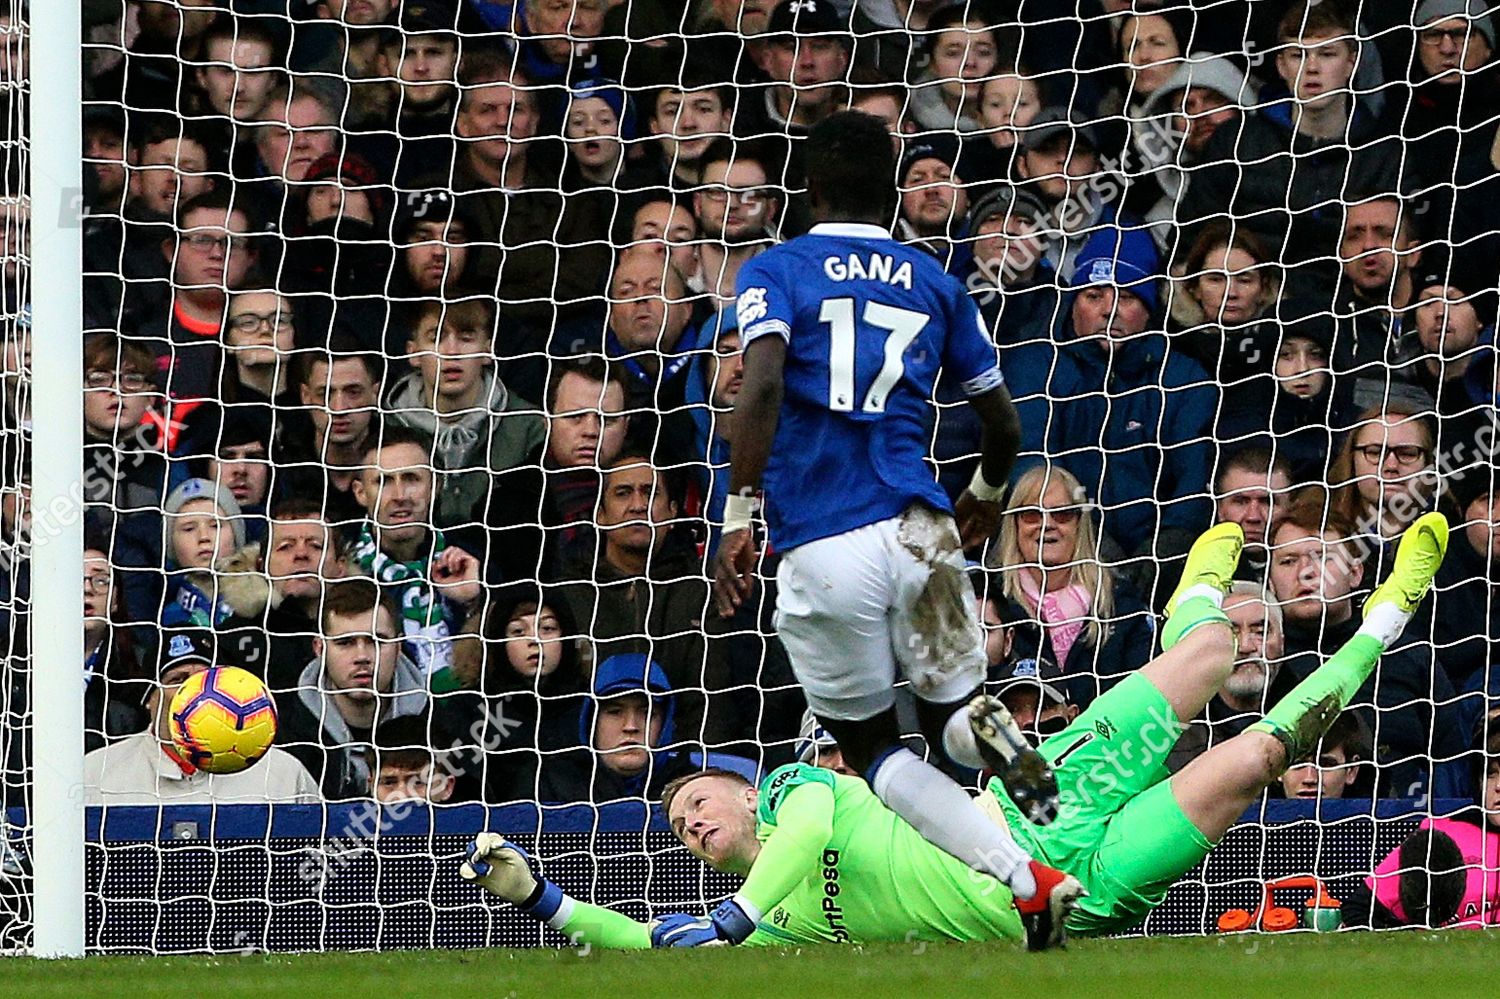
(1189, 614)
(1300, 719)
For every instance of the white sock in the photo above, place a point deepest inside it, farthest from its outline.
(959, 742)
(1385, 623)
(1210, 593)
(947, 818)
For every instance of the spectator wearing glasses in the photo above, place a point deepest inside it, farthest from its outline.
(259, 336)
(125, 476)
(210, 256)
(1094, 625)
(1383, 476)
(1453, 80)
(737, 211)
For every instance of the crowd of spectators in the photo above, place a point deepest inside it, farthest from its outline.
(411, 356)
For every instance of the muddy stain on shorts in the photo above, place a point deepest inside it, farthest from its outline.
(943, 627)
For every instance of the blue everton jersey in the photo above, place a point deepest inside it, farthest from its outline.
(868, 323)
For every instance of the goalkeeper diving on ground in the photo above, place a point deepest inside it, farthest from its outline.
(825, 861)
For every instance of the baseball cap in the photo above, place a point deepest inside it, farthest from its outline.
(1003, 202)
(936, 146)
(185, 645)
(427, 16)
(808, 17)
(1024, 673)
(1052, 123)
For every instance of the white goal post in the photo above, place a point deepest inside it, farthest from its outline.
(56, 186)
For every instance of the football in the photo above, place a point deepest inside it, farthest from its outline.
(223, 719)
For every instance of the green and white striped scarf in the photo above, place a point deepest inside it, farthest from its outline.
(424, 619)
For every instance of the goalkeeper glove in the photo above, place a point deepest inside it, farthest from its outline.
(504, 870)
(730, 923)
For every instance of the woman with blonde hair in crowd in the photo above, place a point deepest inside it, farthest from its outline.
(1096, 629)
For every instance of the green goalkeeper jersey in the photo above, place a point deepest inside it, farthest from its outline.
(872, 877)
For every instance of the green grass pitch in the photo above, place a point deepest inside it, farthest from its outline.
(1404, 963)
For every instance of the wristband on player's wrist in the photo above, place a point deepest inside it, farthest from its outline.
(739, 509)
(545, 901)
(735, 919)
(983, 491)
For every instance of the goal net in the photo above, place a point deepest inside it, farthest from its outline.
(411, 349)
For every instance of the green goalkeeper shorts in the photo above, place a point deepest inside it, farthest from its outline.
(1119, 830)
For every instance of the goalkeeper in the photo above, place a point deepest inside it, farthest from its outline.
(824, 860)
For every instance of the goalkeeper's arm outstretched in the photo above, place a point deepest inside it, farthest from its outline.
(824, 861)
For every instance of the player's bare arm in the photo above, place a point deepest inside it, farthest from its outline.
(756, 414)
(978, 507)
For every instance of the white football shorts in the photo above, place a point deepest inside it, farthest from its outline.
(858, 610)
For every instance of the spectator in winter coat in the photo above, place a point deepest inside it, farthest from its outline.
(629, 729)
(1315, 575)
(433, 582)
(204, 528)
(358, 678)
(521, 678)
(644, 591)
(1130, 418)
(1294, 162)
(477, 424)
(1095, 627)
(147, 769)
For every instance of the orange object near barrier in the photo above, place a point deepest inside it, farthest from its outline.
(1272, 918)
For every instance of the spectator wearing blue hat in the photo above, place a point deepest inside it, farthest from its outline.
(1108, 400)
(628, 731)
(598, 125)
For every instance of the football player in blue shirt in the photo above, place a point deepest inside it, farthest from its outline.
(845, 331)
